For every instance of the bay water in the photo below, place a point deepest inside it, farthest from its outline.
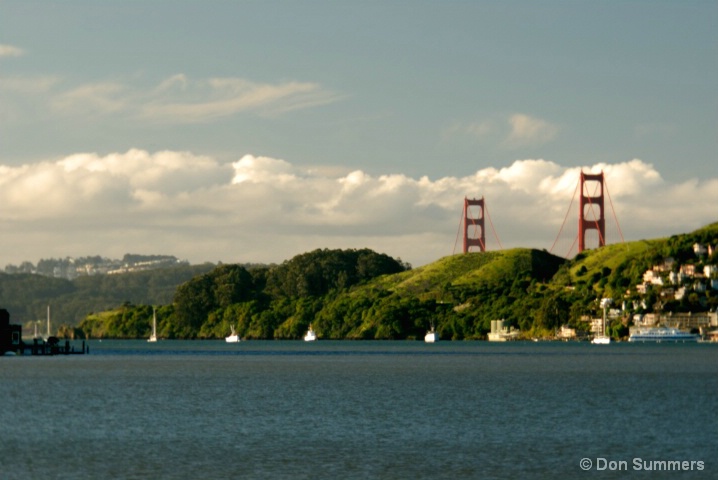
(351, 410)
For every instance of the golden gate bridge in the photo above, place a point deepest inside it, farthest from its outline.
(590, 209)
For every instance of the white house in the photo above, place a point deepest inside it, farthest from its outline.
(652, 277)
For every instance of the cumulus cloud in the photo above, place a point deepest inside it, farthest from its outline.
(266, 209)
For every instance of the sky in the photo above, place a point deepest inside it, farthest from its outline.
(253, 131)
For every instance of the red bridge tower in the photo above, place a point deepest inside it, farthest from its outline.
(478, 239)
(587, 203)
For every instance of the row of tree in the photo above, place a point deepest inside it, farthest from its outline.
(360, 294)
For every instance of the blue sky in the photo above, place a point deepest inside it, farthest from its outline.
(468, 94)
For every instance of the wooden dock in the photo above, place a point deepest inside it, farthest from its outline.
(52, 346)
(11, 342)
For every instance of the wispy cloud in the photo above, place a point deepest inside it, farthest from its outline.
(30, 86)
(179, 99)
(477, 130)
(10, 51)
(529, 131)
(100, 98)
(515, 131)
(260, 208)
(175, 100)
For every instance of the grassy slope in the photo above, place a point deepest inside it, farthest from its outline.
(470, 270)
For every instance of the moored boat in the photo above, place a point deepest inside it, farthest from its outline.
(661, 334)
(602, 338)
(311, 335)
(432, 336)
(153, 336)
(233, 337)
(502, 331)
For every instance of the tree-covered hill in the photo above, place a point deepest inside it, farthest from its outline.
(27, 296)
(269, 302)
(360, 294)
(355, 294)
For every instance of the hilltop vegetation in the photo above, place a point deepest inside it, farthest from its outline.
(27, 296)
(353, 294)
(360, 294)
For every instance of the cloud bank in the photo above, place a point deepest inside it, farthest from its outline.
(262, 209)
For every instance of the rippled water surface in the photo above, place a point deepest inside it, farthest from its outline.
(340, 410)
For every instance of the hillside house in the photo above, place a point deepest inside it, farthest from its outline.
(666, 266)
(567, 333)
(687, 271)
(652, 277)
(699, 249)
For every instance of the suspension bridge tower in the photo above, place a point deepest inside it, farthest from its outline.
(477, 236)
(589, 203)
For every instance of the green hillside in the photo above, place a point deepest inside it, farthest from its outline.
(360, 294)
(460, 295)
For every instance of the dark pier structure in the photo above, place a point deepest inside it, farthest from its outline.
(11, 341)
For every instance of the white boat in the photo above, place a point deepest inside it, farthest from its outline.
(661, 334)
(233, 337)
(153, 336)
(603, 339)
(310, 335)
(504, 336)
(502, 331)
(431, 336)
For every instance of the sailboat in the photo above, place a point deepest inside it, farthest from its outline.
(603, 339)
(311, 335)
(47, 336)
(153, 337)
(233, 337)
(432, 335)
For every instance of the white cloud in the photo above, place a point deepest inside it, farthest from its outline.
(10, 51)
(516, 131)
(28, 85)
(174, 100)
(526, 130)
(478, 130)
(179, 99)
(266, 209)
